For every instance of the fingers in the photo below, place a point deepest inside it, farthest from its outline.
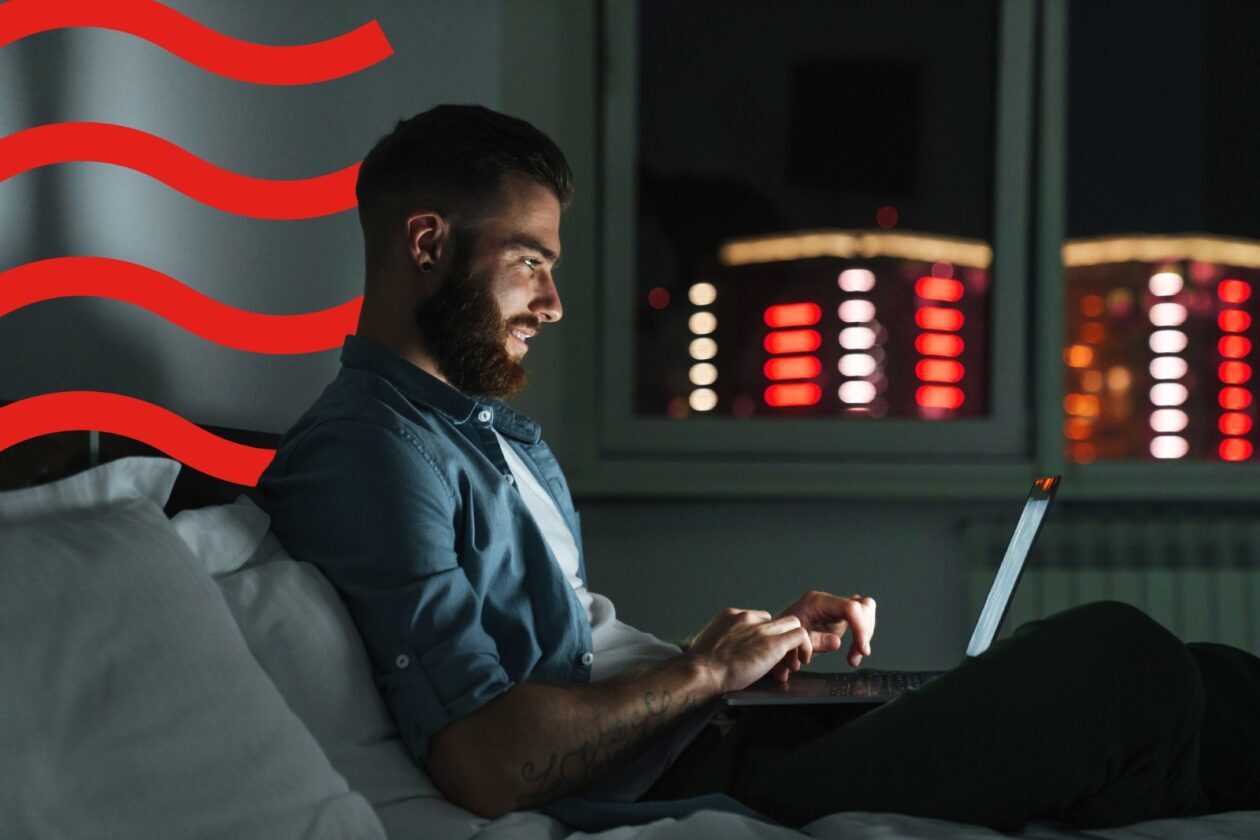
(788, 643)
(786, 624)
(805, 651)
(824, 641)
(862, 622)
(827, 618)
(746, 615)
(785, 667)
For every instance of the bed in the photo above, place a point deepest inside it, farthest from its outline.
(171, 671)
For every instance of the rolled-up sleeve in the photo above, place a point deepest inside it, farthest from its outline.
(379, 519)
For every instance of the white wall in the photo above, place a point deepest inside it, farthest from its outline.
(442, 52)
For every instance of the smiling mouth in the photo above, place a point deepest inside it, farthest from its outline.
(522, 336)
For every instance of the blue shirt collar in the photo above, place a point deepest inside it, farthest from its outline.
(428, 391)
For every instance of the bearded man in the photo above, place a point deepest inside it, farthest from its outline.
(446, 525)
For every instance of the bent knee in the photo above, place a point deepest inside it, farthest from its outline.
(1133, 641)
(1115, 618)
(1118, 630)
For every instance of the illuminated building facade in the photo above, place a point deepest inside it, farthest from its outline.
(841, 323)
(1159, 348)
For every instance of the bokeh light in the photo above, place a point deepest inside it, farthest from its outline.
(702, 294)
(856, 280)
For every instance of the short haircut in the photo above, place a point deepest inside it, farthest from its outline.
(452, 159)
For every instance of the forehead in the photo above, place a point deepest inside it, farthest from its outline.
(525, 208)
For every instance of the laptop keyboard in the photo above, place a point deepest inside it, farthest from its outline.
(878, 683)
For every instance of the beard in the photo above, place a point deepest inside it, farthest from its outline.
(463, 330)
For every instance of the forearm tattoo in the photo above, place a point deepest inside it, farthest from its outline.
(612, 747)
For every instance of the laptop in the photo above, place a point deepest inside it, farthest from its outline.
(875, 686)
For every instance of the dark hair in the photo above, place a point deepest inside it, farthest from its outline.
(452, 158)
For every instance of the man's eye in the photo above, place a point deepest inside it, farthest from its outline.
(532, 262)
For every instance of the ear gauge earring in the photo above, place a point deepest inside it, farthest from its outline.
(426, 266)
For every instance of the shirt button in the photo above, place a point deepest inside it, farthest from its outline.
(484, 415)
(511, 479)
(588, 658)
(403, 660)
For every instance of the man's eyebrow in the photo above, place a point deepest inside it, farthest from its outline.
(524, 240)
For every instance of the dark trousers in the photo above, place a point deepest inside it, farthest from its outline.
(1095, 716)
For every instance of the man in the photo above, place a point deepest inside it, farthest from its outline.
(447, 526)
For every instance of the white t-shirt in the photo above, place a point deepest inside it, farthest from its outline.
(618, 646)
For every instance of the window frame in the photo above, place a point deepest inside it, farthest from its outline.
(606, 450)
(1001, 434)
(1198, 480)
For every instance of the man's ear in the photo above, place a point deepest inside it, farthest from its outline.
(427, 235)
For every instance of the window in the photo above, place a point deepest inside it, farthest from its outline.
(815, 229)
(1162, 249)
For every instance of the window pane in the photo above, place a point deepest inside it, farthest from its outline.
(1164, 239)
(815, 208)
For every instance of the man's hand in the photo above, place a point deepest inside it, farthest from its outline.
(740, 646)
(827, 618)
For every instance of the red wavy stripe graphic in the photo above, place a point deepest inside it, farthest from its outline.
(165, 296)
(180, 170)
(74, 411)
(197, 44)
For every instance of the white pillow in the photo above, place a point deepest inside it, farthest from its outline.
(223, 537)
(131, 706)
(301, 633)
(136, 477)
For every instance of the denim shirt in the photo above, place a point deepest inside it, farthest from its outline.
(394, 485)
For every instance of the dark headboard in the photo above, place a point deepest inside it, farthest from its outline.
(50, 457)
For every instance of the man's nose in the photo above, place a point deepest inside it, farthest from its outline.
(546, 304)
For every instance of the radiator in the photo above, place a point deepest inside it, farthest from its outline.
(1198, 576)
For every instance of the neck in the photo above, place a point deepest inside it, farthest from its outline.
(408, 347)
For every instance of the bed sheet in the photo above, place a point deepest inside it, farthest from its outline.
(857, 825)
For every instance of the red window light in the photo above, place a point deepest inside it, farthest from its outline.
(1093, 332)
(938, 288)
(793, 315)
(938, 318)
(1093, 306)
(1078, 428)
(1234, 346)
(1082, 405)
(938, 344)
(797, 393)
(1234, 423)
(1234, 398)
(793, 341)
(1235, 449)
(1234, 373)
(938, 370)
(939, 396)
(793, 367)
(1084, 453)
(1233, 291)
(1233, 320)
(658, 298)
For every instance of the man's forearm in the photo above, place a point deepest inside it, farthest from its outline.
(537, 742)
(609, 723)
